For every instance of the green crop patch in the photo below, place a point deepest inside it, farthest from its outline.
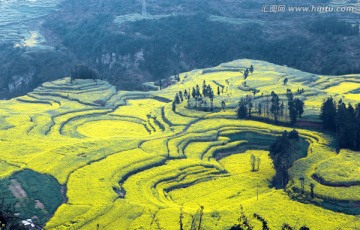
(34, 195)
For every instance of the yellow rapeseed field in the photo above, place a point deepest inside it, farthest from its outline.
(130, 161)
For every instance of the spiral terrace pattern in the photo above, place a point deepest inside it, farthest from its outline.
(126, 156)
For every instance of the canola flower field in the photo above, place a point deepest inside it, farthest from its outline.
(128, 161)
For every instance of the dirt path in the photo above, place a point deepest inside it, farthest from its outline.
(17, 190)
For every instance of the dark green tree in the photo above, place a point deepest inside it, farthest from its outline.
(291, 106)
(251, 69)
(223, 105)
(275, 106)
(286, 80)
(246, 74)
(242, 111)
(299, 106)
(84, 72)
(250, 106)
(177, 99)
(259, 109)
(280, 153)
(181, 96)
(328, 114)
(193, 93)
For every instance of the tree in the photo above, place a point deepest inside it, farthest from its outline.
(312, 186)
(357, 128)
(328, 114)
(181, 96)
(242, 110)
(223, 105)
(250, 108)
(211, 96)
(251, 69)
(186, 94)
(177, 99)
(181, 217)
(302, 182)
(267, 106)
(160, 84)
(246, 74)
(173, 108)
(8, 219)
(204, 89)
(282, 107)
(291, 106)
(84, 72)
(253, 162)
(259, 109)
(218, 90)
(286, 81)
(198, 94)
(340, 121)
(177, 76)
(299, 106)
(258, 160)
(193, 93)
(254, 92)
(280, 153)
(275, 105)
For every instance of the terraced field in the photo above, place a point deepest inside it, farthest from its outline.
(20, 20)
(128, 161)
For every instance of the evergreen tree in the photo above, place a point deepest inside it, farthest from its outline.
(357, 128)
(282, 108)
(286, 81)
(186, 94)
(223, 105)
(275, 105)
(340, 121)
(204, 89)
(328, 114)
(299, 106)
(259, 109)
(211, 96)
(250, 108)
(198, 94)
(291, 106)
(173, 108)
(242, 110)
(177, 99)
(280, 153)
(246, 73)
(181, 96)
(193, 93)
(349, 127)
(218, 90)
(251, 69)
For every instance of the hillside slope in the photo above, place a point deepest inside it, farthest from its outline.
(129, 160)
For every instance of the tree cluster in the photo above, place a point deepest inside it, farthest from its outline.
(344, 120)
(8, 218)
(199, 95)
(335, 26)
(281, 153)
(295, 106)
(83, 72)
(271, 106)
(244, 223)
